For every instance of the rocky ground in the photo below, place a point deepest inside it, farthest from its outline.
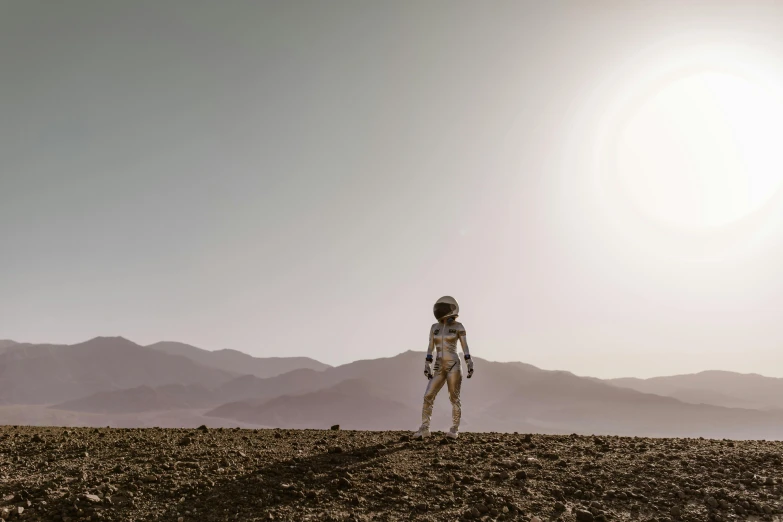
(235, 474)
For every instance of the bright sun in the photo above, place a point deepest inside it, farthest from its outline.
(703, 148)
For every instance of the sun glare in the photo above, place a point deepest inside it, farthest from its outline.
(702, 148)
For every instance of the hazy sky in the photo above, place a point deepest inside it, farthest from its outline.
(596, 183)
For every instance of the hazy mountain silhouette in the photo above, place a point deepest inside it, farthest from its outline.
(6, 344)
(238, 362)
(504, 397)
(563, 403)
(142, 399)
(295, 382)
(117, 381)
(36, 415)
(718, 388)
(353, 404)
(48, 374)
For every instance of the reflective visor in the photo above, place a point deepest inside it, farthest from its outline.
(442, 310)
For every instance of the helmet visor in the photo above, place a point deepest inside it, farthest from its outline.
(441, 310)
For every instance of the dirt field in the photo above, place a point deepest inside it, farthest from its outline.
(232, 474)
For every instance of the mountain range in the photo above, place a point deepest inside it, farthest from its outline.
(719, 388)
(113, 381)
(6, 344)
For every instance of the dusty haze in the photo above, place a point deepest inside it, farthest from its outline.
(306, 178)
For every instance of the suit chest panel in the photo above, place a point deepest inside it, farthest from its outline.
(446, 336)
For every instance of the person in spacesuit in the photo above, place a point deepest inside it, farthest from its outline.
(447, 367)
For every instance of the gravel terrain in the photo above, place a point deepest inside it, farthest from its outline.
(210, 474)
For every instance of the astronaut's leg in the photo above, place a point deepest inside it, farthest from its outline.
(454, 382)
(433, 387)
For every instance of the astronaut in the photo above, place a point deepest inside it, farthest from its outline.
(447, 367)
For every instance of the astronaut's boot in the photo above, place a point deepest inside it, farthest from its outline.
(453, 433)
(423, 432)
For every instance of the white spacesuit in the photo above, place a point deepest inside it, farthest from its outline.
(447, 367)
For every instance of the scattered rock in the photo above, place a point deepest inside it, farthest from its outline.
(584, 516)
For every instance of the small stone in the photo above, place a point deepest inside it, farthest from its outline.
(559, 507)
(521, 475)
(336, 427)
(676, 511)
(584, 516)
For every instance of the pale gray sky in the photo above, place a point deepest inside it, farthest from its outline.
(307, 178)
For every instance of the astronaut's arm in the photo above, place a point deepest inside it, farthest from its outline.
(428, 359)
(463, 340)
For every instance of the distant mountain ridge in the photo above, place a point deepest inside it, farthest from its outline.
(116, 380)
(718, 388)
(141, 399)
(504, 397)
(5, 344)
(239, 362)
(353, 403)
(45, 374)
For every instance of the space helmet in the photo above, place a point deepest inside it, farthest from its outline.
(444, 307)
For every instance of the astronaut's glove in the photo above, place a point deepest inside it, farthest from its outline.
(469, 362)
(428, 367)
